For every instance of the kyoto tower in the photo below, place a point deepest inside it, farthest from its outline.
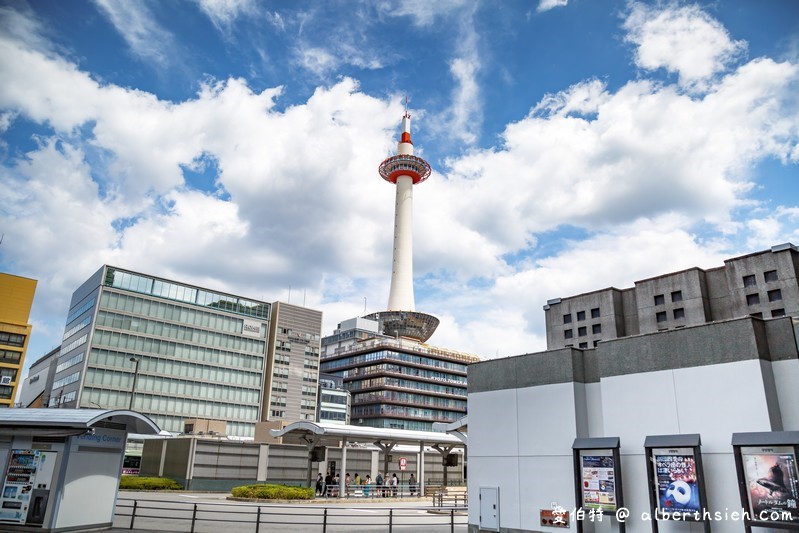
(404, 170)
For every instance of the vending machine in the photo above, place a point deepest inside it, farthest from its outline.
(26, 487)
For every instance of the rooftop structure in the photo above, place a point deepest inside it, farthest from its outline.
(762, 284)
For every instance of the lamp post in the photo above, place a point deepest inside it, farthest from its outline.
(135, 361)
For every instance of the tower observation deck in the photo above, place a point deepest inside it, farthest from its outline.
(404, 170)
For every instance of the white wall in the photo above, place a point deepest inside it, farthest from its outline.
(520, 439)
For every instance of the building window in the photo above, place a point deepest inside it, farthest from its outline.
(568, 334)
(12, 339)
(583, 345)
(595, 312)
(595, 343)
(660, 299)
(580, 315)
(752, 299)
(777, 313)
(567, 319)
(770, 276)
(679, 313)
(676, 296)
(750, 281)
(775, 295)
(661, 316)
(596, 328)
(582, 332)
(756, 315)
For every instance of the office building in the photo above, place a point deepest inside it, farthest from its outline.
(16, 299)
(334, 400)
(761, 284)
(292, 372)
(396, 382)
(170, 350)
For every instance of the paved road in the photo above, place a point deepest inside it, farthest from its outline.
(173, 512)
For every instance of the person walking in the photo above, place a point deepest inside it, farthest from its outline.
(379, 484)
(319, 481)
(394, 485)
(412, 485)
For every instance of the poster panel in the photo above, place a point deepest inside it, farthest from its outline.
(676, 482)
(598, 480)
(772, 482)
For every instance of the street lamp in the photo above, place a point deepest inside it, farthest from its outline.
(135, 361)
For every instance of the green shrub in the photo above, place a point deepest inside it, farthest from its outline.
(148, 483)
(273, 492)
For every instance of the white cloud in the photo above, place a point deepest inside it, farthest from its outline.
(223, 13)
(422, 12)
(682, 39)
(146, 38)
(546, 5)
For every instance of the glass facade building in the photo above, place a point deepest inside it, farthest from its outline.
(396, 382)
(169, 350)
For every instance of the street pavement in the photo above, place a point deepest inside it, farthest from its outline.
(172, 512)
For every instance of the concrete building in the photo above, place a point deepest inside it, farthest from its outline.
(396, 382)
(716, 385)
(16, 299)
(292, 372)
(761, 284)
(173, 351)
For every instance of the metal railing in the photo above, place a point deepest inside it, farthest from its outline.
(186, 516)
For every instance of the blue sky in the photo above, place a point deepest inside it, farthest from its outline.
(234, 144)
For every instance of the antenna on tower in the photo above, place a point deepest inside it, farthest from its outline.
(406, 106)
(364, 305)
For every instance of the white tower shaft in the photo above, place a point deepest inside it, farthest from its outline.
(400, 297)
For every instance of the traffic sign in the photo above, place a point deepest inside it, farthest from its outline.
(403, 463)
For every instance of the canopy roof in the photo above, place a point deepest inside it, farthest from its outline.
(73, 421)
(330, 434)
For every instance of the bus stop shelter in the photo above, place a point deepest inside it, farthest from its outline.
(314, 435)
(61, 467)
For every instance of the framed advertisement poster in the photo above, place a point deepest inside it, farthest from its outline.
(598, 480)
(772, 482)
(768, 478)
(675, 474)
(597, 477)
(677, 483)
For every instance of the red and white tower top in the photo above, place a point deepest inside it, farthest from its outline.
(405, 163)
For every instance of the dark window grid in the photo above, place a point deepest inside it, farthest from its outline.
(567, 318)
(595, 312)
(596, 329)
(568, 334)
(750, 281)
(661, 316)
(679, 313)
(580, 315)
(776, 313)
(660, 299)
(770, 276)
(676, 296)
(775, 295)
(582, 332)
(752, 299)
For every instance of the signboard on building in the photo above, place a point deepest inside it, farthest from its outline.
(403, 463)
